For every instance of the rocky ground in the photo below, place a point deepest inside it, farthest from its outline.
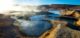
(61, 31)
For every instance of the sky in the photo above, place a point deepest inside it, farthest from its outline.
(6, 5)
(37, 2)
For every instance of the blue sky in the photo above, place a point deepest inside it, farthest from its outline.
(74, 2)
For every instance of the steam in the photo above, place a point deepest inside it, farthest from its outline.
(28, 6)
(22, 7)
(6, 5)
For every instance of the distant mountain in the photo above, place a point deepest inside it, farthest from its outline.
(62, 6)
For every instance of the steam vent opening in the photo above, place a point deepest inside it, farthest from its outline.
(39, 19)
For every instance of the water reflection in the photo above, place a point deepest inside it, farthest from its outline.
(34, 28)
(38, 24)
